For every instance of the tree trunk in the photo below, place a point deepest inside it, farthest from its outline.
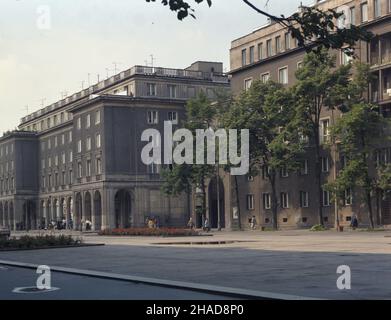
(370, 210)
(274, 202)
(238, 202)
(318, 177)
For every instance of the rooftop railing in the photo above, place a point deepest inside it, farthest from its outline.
(136, 70)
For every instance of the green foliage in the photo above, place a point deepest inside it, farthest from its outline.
(317, 228)
(313, 28)
(28, 242)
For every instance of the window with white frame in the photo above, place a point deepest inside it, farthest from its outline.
(79, 146)
(63, 158)
(265, 77)
(260, 50)
(304, 199)
(325, 164)
(97, 117)
(348, 197)
(284, 200)
(88, 143)
(244, 57)
(364, 11)
(98, 141)
(304, 167)
(173, 117)
(248, 83)
(326, 198)
(98, 166)
(172, 91)
(250, 202)
(152, 117)
(70, 136)
(252, 54)
(284, 172)
(345, 58)
(151, 89)
(88, 121)
(269, 48)
(266, 201)
(70, 156)
(278, 44)
(283, 75)
(287, 41)
(325, 131)
(377, 8)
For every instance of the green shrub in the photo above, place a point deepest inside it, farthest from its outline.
(318, 227)
(42, 241)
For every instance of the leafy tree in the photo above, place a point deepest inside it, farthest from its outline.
(313, 28)
(358, 133)
(320, 87)
(200, 114)
(265, 109)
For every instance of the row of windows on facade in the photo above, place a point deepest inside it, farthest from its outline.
(6, 150)
(248, 56)
(304, 199)
(153, 117)
(173, 91)
(7, 184)
(50, 122)
(52, 180)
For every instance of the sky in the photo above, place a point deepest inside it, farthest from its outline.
(51, 47)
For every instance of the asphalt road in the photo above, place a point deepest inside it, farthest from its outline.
(74, 287)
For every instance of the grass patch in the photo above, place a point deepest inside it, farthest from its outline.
(318, 228)
(149, 232)
(47, 241)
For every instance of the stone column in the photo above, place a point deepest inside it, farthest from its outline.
(93, 218)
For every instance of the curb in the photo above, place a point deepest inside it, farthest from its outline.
(226, 291)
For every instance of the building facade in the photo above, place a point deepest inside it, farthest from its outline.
(79, 159)
(271, 53)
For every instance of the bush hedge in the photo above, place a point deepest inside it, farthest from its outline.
(28, 242)
(149, 232)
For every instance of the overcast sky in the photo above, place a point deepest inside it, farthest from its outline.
(88, 36)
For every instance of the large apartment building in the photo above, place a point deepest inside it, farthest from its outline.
(271, 53)
(79, 159)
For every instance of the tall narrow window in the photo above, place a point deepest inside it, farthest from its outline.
(88, 144)
(173, 117)
(278, 44)
(266, 201)
(152, 117)
(151, 89)
(98, 166)
(325, 164)
(88, 121)
(244, 57)
(98, 142)
(283, 75)
(269, 48)
(252, 54)
(325, 131)
(287, 41)
(88, 173)
(247, 84)
(260, 51)
(97, 117)
(364, 12)
(304, 199)
(250, 202)
(377, 8)
(348, 198)
(326, 198)
(284, 200)
(172, 91)
(265, 77)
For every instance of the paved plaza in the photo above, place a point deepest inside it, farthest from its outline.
(298, 263)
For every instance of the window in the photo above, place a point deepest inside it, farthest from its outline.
(56, 161)
(345, 58)
(326, 198)
(79, 170)
(64, 180)
(62, 118)
(247, 84)
(70, 156)
(63, 158)
(97, 117)
(49, 143)
(56, 179)
(70, 177)
(98, 166)
(48, 123)
(344, 162)
(172, 91)
(50, 162)
(151, 89)
(353, 15)
(377, 8)
(250, 202)
(303, 199)
(278, 44)
(284, 200)
(88, 173)
(304, 167)
(70, 136)
(55, 141)
(325, 131)
(78, 123)
(79, 146)
(389, 5)
(283, 75)
(55, 120)
(269, 48)
(260, 51)
(43, 163)
(88, 121)
(287, 41)
(364, 12)
(63, 139)
(173, 117)
(88, 144)
(98, 142)
(284, 173)
(244, 57)
(265, 77)
(348, 198)
(325, 164)
(267, 201)
(252, 54)
(152, 117)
